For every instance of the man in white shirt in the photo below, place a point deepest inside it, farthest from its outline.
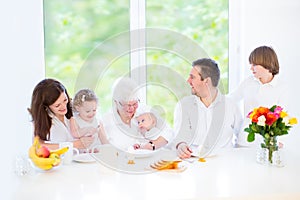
(205, 121)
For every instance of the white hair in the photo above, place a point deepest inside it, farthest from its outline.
(125, 89)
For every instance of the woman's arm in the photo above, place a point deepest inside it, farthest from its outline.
(78, 132)
(84, 142)
(74, 128)
(81, 143)
(51, 146)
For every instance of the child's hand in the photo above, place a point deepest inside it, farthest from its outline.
(136, 146)
(90, 131)
(86, 141)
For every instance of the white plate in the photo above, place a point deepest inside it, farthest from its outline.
(84, 158)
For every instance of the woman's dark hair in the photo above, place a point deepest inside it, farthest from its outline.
(45, 94)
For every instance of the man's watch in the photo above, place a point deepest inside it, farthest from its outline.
(152, 145)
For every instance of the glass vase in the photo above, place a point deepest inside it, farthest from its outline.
(270, 143)
(269, 153)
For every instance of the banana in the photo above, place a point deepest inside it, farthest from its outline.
(56, 157)
(45, 163)
(44, 167)
(36, 142)
(59, 151)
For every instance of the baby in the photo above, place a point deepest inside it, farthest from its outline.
(149, 132)
(146, 122)
(85, 105)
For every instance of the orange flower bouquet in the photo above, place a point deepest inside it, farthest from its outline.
(269, 123)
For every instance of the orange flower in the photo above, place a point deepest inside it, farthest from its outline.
(271, 118)
(273, 121)
(263, 110)
(255, 118)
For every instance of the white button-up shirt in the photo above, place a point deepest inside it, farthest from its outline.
(211, 127)
(252, 94)
(59, 131)
(255, 94)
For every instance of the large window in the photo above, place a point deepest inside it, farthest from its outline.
(92, 43)
(194, 29)
(80, 44)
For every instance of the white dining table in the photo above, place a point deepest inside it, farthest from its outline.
(231, 174)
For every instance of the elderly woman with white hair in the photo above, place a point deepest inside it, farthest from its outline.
(120, 123)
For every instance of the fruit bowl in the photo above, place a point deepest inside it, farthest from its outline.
(44, 158)
(39, 168)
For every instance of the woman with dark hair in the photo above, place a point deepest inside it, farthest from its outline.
(52, 114)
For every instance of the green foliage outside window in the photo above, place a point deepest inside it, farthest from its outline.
(73, 29)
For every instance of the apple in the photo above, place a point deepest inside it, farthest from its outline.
(43, 151)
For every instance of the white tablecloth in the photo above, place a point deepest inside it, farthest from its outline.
(232, 174)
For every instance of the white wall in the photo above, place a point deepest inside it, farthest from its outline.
(22, 66)
(273, 23)
(266, 22)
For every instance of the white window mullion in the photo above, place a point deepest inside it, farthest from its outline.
(138, 43)
(235, 67)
